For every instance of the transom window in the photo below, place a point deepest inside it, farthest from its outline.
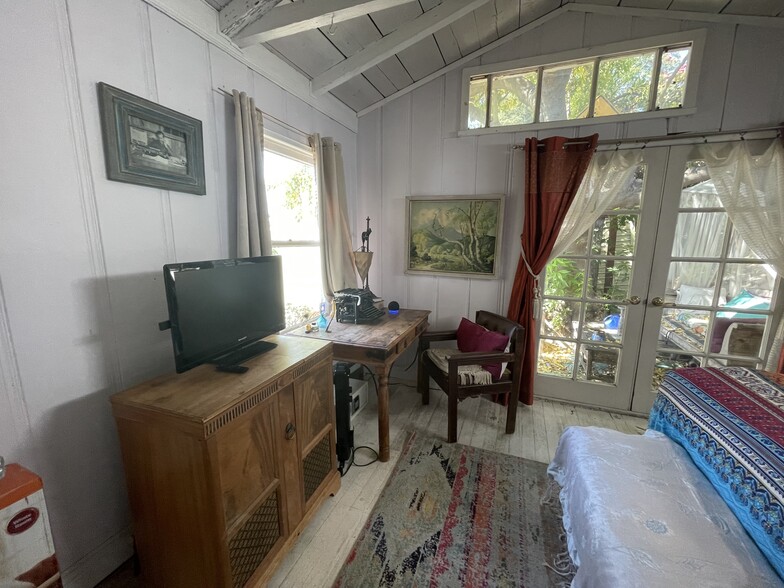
(610, 84)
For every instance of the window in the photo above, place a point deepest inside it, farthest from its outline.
(292, 200)
(622, 82)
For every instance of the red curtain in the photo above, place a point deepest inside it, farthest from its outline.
(781, 361)
(554, 168)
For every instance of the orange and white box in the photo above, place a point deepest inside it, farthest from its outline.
(27, 557)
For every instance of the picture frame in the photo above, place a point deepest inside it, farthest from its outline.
(454, 236)
(150, 145)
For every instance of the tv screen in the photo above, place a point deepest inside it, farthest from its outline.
(223, 307)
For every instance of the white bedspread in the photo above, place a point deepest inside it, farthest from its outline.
(638, 512)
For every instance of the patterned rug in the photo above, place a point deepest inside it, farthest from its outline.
(453, 515)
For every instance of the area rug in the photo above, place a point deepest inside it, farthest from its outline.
(453, 515)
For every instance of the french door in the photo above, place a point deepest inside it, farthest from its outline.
(662, 280)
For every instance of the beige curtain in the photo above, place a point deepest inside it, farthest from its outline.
(253, 230)
(337, 266)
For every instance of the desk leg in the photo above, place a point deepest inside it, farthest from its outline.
(383, 413)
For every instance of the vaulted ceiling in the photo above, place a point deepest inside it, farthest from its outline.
(363, 51)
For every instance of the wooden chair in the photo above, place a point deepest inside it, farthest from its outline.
(449, 381)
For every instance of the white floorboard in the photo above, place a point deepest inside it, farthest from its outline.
(319, 553)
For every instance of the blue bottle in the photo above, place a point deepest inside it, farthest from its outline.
(322, 320)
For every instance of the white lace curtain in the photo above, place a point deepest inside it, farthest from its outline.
(608, 179)
(751, 189)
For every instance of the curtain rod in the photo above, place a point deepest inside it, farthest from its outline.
(269, 116)
(730, 136)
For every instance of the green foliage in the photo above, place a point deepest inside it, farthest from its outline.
(624, 82)
(564, 278)
(300, 195)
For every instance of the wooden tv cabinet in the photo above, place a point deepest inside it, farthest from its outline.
(224, 470)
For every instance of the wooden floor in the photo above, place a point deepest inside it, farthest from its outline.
(320, 551)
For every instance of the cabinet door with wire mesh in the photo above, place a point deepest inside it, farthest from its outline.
(315, 407)
(251, 487)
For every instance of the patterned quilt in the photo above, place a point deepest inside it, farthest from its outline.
(731, 422)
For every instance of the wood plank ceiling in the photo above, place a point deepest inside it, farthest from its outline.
(314, 52)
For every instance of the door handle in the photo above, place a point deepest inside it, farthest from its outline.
(632, 300)
(659, 301)
(290, 430)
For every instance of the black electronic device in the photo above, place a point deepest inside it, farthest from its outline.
(219, 310)
(344, 433)
(353, 305)
(393, 307)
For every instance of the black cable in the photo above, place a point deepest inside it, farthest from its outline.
(362, 465)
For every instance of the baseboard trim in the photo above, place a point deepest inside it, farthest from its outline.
(100, 562)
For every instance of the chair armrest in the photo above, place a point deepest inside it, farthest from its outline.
(438, 336)
(479, 357)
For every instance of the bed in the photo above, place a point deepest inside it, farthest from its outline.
(730, 421)
(695, 500)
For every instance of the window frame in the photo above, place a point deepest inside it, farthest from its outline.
(286, 147)
(696, 37)
(304, 154)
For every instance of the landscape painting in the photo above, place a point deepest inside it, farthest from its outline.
(457, 236)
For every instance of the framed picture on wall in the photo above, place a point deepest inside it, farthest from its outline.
(458, 236)
(148, 144)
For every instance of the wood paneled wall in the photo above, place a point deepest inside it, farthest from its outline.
(80, 256)
(410, 146)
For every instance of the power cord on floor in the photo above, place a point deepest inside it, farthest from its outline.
(352, 461)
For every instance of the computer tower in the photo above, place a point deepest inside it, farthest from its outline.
(343, 402)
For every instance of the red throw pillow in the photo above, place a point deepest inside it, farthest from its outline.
(473, 337)
(468, 334)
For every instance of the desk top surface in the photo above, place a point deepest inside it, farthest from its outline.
(385, 333)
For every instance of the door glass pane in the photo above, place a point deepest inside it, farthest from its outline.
(624, 84)
(598, 363)
(738, 248)
(739, 336)
(683, 330)
(614, 235)
(747, 285)
(666, 361)
(565, 278)
(698, 190)
(556, 358)
(580, 246)
(566, 91)
(560, 318)
(673, 71)
(477, 103)
(691, 282)
(609, 279)
(631, 198)
(603, 322)
(513, 99)
(699, 234)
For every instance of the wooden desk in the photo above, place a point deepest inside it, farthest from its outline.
(377, 345)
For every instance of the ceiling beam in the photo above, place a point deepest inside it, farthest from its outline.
(758, 21)
(237, 14)
(409, 33)
(298, 17)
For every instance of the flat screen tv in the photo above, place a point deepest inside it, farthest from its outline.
(220, 309)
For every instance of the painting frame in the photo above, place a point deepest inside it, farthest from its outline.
(150, 145)
(449, 258)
